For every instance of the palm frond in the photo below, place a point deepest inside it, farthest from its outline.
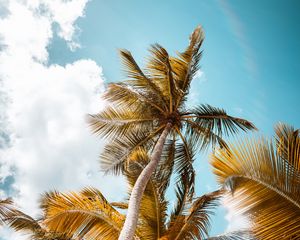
(184, 192)
(184, 159)
(216, 120)
(6, 208)
(139, 100)
(201, 137)
(117, 155)
(86, 214)
(265, 187)
(236, 235)
(186, 65)
(194, 223)
(140, 81)
(288, 143)
(112, 122)
(33, 228)
(160, 69)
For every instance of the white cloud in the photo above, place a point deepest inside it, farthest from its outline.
(51, 145)
(194, 95)
(236, 221)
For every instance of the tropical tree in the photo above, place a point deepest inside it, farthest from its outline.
(264, 177)
(88, 215)
(148, 111)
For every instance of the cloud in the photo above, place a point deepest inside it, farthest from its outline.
(236, 220)
(45, 143)
(198, 80)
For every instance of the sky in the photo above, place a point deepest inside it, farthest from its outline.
(57, 56)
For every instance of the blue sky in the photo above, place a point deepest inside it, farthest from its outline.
(250, 67)
(250, 52)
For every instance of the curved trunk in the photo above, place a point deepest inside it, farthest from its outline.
(130, 223)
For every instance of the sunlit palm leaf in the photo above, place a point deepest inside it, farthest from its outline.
(140, 80)
(265, 187)
(6, 208)
(85, 214)
(186, 65)
(160, 69)
(236, 235)
(113, 122)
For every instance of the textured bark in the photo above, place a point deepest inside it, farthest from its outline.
(130, 223)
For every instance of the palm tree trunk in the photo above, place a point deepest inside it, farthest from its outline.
(130, 223)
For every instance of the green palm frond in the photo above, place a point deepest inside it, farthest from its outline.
(264, 185)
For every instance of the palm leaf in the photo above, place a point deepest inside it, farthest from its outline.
(112, 122)
(288, 143)
(264, 186)
(236, 235)
(216, 120)
(201, 137)
(86, 214)
(140, 81)
(6, 208)
(186, 64)
(159, 67)
(116, 155)
(194, 223)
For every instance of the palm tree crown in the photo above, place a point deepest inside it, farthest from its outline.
(148, 111)
(139, 109)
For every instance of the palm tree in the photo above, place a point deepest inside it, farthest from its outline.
(88, 215)
(149, 111)
(264, 177)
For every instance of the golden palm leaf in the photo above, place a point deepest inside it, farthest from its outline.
(288, 143)
(265, 186)
(236, 235)
(6, 207)
(85, 214)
